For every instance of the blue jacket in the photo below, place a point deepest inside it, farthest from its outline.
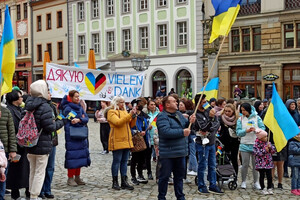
(142, 124)
(77, 152)
(294, 153)
(172, 143)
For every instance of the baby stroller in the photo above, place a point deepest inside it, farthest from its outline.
(224, 170)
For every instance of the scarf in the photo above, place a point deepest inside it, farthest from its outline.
(229, 121)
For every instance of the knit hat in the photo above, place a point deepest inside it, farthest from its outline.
(260, 133)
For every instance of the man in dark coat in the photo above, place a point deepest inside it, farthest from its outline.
(173, 146)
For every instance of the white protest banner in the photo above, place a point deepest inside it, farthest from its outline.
(93, 85)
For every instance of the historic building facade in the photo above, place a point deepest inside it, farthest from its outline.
(168, 32)
(263, 46)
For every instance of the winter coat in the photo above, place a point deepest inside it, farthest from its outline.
(172, 142)
(18, 173)
(294, 153)
(153, 131)
(7, 131)
(77, 151)
(45, 121)
(248, 139)
(142, 124)
(120, 136)
(263, 159)
(294, 113)
(204, 121)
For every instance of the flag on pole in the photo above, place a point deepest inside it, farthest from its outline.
(280, 122)
(211, 90)
(7, 55)
(226, 13)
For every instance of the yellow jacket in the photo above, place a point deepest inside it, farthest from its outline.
(120, 136)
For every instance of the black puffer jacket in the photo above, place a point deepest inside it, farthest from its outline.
(44, 119)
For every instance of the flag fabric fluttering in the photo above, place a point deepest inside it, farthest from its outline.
(280, 122)
(225, 15)
(211, 90)
(7, 55)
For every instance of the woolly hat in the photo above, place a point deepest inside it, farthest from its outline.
(260, 133)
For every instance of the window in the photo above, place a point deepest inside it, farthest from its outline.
(80, 11)
(39, 53)
(143, 4)
(26, 45)
(291, 81)
(298, 35)
(18, 12)
(144, 38)
(49, 49)
(59, 19)
(48, 21)
(126, 40)
(244, 2)
(289, 36)
(110, 7)
(39, 22)
(110, 41)
(126, 6)
(82, 45)
(25, 10)
(19, 47)
(161, 3)
(60, 53)
(0, 16)
(181, 34)
(256, 32)
(235, 36)
(95, 9)
(162, 35)
(96, 42)
(246, 39)
(181, 1)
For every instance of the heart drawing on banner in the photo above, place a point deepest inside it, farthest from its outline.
(95, 85)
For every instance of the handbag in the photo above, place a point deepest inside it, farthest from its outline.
(79, 133)
(139, 143)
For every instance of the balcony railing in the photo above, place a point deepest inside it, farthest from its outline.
(292, 4)
(249, 9)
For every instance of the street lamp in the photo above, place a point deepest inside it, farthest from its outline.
(140, 64)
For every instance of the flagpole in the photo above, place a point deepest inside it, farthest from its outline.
(208, 77)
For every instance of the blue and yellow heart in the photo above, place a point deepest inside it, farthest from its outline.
(95, 85)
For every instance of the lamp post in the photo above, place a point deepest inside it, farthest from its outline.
(140, 64)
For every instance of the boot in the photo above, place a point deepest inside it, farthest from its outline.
(124, 183)
(79, 181)
(71, 182)
(150, 177)
(115, 183)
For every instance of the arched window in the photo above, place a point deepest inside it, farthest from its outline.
(184, 84)
(158, 80)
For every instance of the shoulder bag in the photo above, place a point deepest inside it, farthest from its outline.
(79, 132)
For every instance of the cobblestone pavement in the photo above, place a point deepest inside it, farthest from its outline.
(98, 180)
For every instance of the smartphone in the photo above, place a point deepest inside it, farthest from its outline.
(134, 105)
(16, 158)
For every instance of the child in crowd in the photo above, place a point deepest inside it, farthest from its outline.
(263, 151)
(294, 163)
(3, 163)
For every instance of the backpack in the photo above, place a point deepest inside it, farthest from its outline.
(28, 134)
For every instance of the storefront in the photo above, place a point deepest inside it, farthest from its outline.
(22, 76)
(158, 80)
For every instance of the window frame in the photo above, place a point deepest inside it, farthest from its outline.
(39, 56)
(164, 36)
(81, 11)
(284, 35)
(48, 21)
(39, 22)
(25, 10)
(253, 35)
(110, 5)
(144, 38)
(96, 46)
(94, 9)
(26, 50)
(19, 45)
(18, 10)
(126, 42)
(59, 21)
(184, 34)
(182, 2)
(82, 46)
(145, 5)
(246, 35)
(297, 30)
(163, 5)
(60, 51)
(235, 36)
(49, 50)
(126, 4)
(110, 43)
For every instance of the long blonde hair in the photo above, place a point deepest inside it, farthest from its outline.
(116, 100)
(232, 107)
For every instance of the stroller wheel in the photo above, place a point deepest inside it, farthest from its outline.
(232, 185)
(196, 180)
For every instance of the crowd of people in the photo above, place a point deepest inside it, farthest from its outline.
(178, 134)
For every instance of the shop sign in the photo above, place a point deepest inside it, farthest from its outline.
(271, 77)
(25, 73)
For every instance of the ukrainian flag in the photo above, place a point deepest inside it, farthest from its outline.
(280, 122)
(226, 12)
(211, 90)
(7, 55)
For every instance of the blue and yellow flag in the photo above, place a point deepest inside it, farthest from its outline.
(211, 90)
(7, 55)
(226, 12)
(280, 122)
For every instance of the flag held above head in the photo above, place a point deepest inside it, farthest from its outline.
(226, 13)
(7, 55)
(212, 88)
(280, 122)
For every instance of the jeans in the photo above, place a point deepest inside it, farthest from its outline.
(120, 158)
(3, 184)
(192, 157)
(206, 157)
(295, 178)
(168, 165)
(49, 173)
